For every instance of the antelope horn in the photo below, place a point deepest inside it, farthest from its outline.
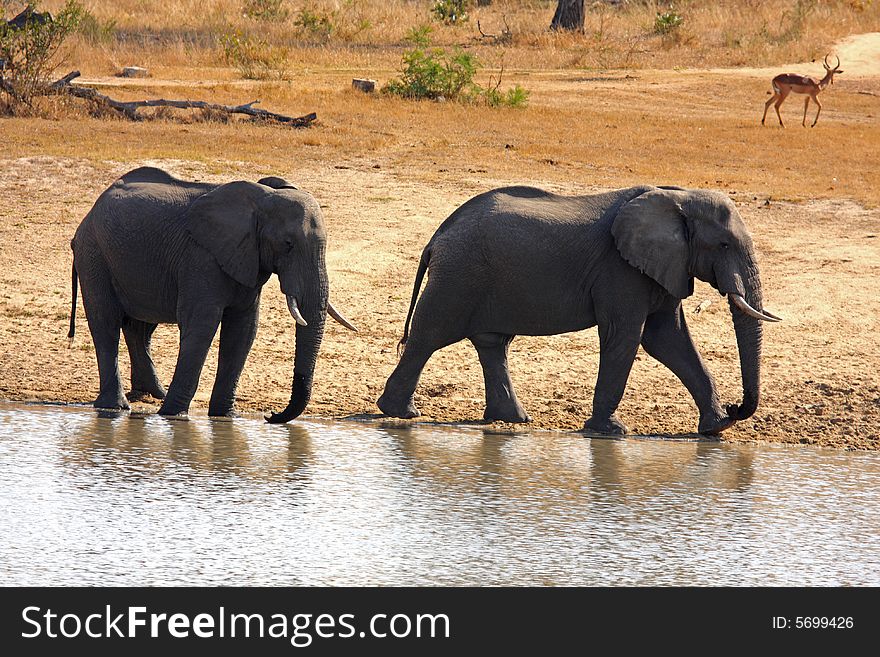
(294, 311)
(837, 65)
(827, 67)
(741, 303)
(335, 314)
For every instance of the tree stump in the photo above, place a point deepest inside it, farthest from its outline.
(362, 84)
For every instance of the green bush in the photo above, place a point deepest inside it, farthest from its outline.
(668, 22)
(515, 97)
(434, 74)
(28, 54)
(450, 11)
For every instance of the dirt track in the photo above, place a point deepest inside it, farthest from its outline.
(820, 264)
(858, 52)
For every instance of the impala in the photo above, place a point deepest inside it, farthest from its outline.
(787, 83)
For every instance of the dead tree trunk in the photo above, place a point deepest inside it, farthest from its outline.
(129, 109)
(569, 16)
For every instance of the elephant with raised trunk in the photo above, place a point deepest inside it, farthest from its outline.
(522, 261)
(155, 249)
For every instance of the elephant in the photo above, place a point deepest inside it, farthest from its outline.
(158, 250)
(523, 261)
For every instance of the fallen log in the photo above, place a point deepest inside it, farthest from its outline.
(129, 109)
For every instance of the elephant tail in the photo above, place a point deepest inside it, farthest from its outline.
(420, 275)
(73, 280)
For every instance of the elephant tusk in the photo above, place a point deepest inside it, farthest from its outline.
(335, 314)
(294, 311)
(741, 303)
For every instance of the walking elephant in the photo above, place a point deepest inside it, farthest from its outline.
(155, 249)
(520, 260)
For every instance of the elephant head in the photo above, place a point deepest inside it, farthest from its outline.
(254, 230)
(673, 235)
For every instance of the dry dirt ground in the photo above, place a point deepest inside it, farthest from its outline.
(820, 265)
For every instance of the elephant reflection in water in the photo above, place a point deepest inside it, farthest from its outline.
(565, 468)
(142, 446)
(644, 469)
(493, 465)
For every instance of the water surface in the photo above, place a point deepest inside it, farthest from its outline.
(142, 500)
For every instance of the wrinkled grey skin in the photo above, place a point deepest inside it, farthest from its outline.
(155, 249)
(521, 261)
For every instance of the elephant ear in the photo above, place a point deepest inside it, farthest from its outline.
(276, 183)
(224, 222)
(650, 231)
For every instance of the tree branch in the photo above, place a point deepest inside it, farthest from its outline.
(129, 108)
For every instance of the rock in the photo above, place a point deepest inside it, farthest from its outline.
(363, 84)
(703, 306)
(134, 72)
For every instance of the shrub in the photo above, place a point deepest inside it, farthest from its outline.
(434, 73)
(265, 10)
(450, 11)
(668, 22)
(28, 54)
(255, 59)
(515, 97)
(316, 22)
(94, 30)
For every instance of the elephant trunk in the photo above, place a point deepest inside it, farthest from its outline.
(749, 338)
(310, 314)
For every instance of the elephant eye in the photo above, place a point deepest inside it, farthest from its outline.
(289, 244)
(725, 245)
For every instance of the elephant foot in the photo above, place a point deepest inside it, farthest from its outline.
(224, 412)
(138, 394)
(172, 409)
(606, 427)
(715, 424)
(512, 415)
(405, 410)
(116, 402)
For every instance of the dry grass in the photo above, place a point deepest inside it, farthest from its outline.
(609, 130)
(371, 33)
(602, 128)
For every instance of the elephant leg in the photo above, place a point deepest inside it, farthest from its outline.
(440, 319)
(237, 333)
(397, 398)
(106, 339)
(501, 401)
(144, 380)
(196, 334)
(104, 315)
(666, 338)
(618, 345)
